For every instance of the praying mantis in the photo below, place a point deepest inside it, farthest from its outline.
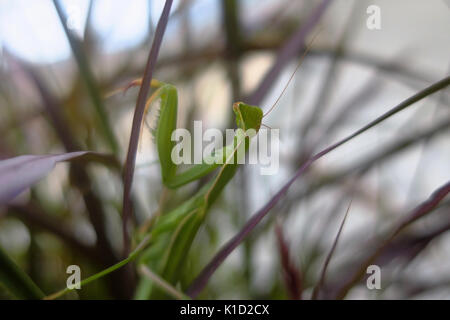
(164, 247)
(173, 232)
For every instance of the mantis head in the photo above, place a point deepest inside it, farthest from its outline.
(247, 116)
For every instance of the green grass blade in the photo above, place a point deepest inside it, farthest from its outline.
(88, 77)
(16, 280)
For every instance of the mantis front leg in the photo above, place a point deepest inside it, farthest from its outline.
(166, 124)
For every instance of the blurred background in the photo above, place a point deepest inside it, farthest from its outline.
(54, 85)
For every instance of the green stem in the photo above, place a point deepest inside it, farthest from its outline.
(133, 255)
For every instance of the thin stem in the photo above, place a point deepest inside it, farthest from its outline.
(137, 122)
(162, 284)
(133, 255)
(329, 256)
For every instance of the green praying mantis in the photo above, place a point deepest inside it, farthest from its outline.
(164, 246)
(167, 239)
(173, 232)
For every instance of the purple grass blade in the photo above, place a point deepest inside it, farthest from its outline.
(291, 274)
(418, 212)
(19, 173)
(329, 256)
(137, 122)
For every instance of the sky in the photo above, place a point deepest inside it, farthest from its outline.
(32, 30)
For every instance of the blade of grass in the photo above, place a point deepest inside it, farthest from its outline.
(16, 280)
(325, 224)
(137, 121)
(329, 256)
(378, 158)
(410, 246)
(425, 146)
(420, 211)
(200, 282)
(20, 173)
(291, 274)
(401, 251)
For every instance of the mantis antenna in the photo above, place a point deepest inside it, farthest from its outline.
(293, 73)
